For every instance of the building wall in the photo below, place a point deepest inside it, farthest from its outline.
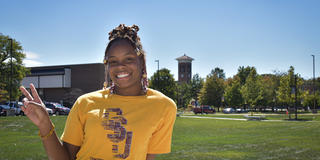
(53, 94)
(67, 82)
(87, 77)
(184, 69)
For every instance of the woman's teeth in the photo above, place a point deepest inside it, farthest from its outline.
(122, 75)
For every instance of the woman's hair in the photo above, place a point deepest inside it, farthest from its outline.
(130, 34)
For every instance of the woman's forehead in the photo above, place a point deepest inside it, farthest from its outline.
(121, 48)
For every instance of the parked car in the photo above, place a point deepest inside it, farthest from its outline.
(57, 108)
(4, 109)
(204, 109)
(66, 110)
(241, 110)
(12, 107)
(50, 112)
(3, 112)
(228, 110)
(20, 104)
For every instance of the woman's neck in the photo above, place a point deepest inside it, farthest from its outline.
(129, 91)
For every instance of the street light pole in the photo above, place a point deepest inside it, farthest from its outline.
(158, 74)
(10, 98)
(313, 86)
(295, 96)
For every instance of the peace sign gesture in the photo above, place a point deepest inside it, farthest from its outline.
(34, 108)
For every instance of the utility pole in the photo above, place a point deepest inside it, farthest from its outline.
(11, 74)
(295, 97)
(158, 75)
(313, 86)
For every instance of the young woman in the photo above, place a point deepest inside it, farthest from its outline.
(125, 120)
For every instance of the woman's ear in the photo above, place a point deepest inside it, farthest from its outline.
(142, 62)
(106, 74)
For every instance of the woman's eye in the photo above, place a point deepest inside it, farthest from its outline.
(112, 62)
(130, 59)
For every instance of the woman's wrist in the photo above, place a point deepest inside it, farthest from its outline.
(45, 128)
(46, 136)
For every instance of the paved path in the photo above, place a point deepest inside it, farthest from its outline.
(237, 119)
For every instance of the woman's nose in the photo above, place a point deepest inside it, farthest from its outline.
(121, 64)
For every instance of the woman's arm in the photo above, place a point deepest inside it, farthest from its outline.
(35, 110)
(72, 150)
(55, 149)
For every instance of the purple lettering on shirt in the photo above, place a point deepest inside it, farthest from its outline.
(120, 133)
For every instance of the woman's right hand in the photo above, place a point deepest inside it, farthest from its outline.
(34, 108)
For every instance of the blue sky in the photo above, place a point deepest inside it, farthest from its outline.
(267, 34)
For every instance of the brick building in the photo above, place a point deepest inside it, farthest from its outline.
(184, 68)
(65, 83)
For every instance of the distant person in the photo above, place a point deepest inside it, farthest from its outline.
(125, 120)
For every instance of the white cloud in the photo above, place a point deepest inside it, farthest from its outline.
(31, 63)
(31, 55)
(31, 59)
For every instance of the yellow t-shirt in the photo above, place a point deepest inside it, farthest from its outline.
(108, 126)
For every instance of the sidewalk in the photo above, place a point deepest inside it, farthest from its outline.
(236, 119)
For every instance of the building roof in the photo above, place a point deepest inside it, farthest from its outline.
(184, 58)
(57, 69)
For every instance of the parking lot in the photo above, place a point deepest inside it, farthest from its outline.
(14, 109)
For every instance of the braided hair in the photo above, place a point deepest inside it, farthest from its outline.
(129, 33)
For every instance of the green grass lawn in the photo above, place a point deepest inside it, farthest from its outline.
(19, 138)
(193, 139)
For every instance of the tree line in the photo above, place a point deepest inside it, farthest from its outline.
(247, 89)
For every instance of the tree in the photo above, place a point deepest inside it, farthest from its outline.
(285, 95)
(4, 96)
(184, 94)
(164, 82)
(189, 91)
(19, 71)
(196, 85)
(218, 72)
(213, 89)
(309, 98)
(250, 90)
(276, 84)
(243, 73)
(232, 95)
(267, 91)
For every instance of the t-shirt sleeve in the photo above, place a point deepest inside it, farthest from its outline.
(161, 139)
(73, 130)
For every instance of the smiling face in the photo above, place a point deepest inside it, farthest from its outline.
(125, 68)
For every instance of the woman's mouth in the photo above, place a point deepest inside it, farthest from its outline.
(122, 75)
